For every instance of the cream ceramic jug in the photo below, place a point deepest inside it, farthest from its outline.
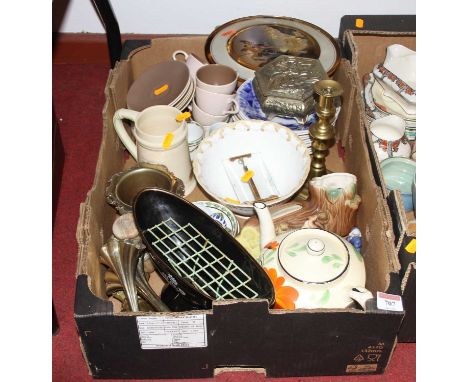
(310, 267)
(160, 139)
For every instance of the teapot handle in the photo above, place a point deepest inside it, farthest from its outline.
(360, 295)
(122, 132)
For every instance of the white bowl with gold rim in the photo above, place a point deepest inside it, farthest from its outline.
(279, 155)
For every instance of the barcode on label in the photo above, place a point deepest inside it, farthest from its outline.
(386, 301)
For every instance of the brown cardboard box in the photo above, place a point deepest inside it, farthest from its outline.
(367, 48)
(240, 334)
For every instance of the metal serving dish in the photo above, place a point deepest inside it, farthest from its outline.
(195, 255)
(123, 187)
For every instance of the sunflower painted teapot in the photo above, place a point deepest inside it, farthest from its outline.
(310, 267)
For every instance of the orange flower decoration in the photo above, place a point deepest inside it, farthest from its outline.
(272, 245)
(285, 295)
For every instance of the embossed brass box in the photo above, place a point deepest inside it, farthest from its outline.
(285, 86)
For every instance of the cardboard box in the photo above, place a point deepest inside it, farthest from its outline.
(240, 334)
(365, 49)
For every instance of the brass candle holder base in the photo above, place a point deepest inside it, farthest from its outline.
(322, 133)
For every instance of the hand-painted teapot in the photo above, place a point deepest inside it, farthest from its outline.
(311, 267)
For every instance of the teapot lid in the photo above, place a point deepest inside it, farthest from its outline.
(313, 255)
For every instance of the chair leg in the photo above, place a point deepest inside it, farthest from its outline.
(55, 325)
(111, 25)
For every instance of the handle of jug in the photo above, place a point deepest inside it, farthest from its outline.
(119, 127)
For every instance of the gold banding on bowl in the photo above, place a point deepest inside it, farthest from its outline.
(123, 186)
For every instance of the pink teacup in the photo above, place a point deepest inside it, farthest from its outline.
(217, 78)
(216, 103)
(206, 119)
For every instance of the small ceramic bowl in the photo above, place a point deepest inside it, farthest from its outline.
(221, 214)
(195, 133)
(399, 174)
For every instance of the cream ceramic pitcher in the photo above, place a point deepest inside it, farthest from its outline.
(160, 139)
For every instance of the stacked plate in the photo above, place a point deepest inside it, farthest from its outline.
(195, 134)
(249, 108)
(166, 83)
(390, 89)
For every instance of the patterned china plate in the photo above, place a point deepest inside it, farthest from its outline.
(249, 108)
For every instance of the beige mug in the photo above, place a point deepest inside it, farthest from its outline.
(216, 103)
(217, 78)
(160, 139)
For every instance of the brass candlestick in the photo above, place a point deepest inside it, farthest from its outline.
(322, 132)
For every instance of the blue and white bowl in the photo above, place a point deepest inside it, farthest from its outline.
(221, 214)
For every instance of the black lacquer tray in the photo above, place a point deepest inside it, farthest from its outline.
(194, 254)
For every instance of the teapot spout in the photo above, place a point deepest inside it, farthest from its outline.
(360, 295)
(267, 228)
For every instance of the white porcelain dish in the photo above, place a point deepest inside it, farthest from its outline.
(281, 150)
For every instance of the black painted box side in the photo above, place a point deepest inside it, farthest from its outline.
(289, 344)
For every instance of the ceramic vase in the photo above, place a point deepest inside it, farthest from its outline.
(335, 195)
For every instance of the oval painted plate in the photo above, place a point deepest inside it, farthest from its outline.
(221, 214)
(248, 43)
